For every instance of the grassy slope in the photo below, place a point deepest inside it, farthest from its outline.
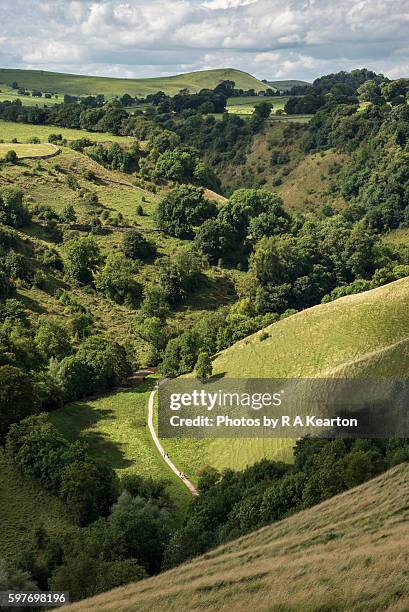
(82, 85)
(305, 188)
(364, 335)
(348, 553)
(45, 182)
(257, 168)
(24, 506)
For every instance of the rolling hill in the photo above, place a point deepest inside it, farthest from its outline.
(286, 85)
(347, 553)
(73, 84)
(339, 336)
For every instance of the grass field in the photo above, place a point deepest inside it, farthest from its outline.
(85, 85)
(6, 93)
(25, 132)
(24, 506)
(348, 553)
(26, 150)
(245, 104)
(115, 427)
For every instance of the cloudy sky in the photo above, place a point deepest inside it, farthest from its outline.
(272, 39)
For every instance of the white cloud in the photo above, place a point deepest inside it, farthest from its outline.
(271, 38)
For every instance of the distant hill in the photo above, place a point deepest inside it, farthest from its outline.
(57, 82)
(287, 85)
(343, 554)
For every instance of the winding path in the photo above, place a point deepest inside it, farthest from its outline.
(160, 448)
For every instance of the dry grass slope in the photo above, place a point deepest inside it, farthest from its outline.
(348, 553)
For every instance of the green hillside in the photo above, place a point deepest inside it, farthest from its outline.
(316, 341)
(24, 506)
(73, 84)
(343, 554)
(356, 336)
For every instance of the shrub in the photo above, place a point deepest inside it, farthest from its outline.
(136, 246)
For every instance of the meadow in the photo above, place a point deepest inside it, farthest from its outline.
(26, 150)
(115, 428)
(25, 132)
(244, 105)
(6, 93)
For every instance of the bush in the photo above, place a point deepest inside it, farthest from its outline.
(136, 246)
(11, 157)
(12, 209)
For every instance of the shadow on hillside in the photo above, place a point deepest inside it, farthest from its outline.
(211, 294)
(31, 304)
(76, 422)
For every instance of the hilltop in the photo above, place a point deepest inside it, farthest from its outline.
(347, 553)
(288, 84)
(74, 84)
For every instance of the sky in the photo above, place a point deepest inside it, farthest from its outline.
(272, 39)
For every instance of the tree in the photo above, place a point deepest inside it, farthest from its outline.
(52, 339)
(12, 209)
(136, 246)
(88, 489)
(143, 529)
(115, 279)
(39, 450)
(81, 259)
(180, 354)
(216, 239)
(180, 274)
(261, 113)
(18, 398)
(204, 367)
(183, 208)
(155, 302)
(7, 287)
(84, 576)
(369, 92)
(106, 360)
